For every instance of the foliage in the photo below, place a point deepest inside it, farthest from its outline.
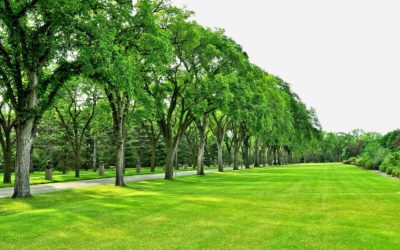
(391, 164)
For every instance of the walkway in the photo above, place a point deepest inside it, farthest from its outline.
(61, 186)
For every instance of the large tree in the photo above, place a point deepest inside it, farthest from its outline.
(123, 57)
(37, 55)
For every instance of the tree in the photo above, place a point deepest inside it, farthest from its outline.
(154, 136)
(75, 111)
(170, 92)
(7, 123)
(219, 124)
(122, 59)
(37, 55)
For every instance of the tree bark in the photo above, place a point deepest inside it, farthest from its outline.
(270, 156)
(236, 148)
(77, 163)
(23, 159)
(202, 128)
(220, 159)
(94, 156)
(228, 153)
(7, 155)
(153, 156)
(120, 155)
(257, 153)
(169, 161)
(246, 147)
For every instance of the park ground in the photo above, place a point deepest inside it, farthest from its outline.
(38, 177)
(317, 206)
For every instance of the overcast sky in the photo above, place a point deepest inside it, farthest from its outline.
(341, 56)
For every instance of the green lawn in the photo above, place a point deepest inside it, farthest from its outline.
(38, 177)
(325, 206)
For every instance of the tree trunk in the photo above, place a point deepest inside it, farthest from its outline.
(270, 157)
(236, 148)
(120, 155)
(153, 156)
(77, 164)
(94, 156)
(263, 155)
(169, 161)
(200, 159)
(23, 159)
(220, 160)
(7, 154)
(279, 157)
(246, 147)
(257, 153)
(202, 128)
(228, 154)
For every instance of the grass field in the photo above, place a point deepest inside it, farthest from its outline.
(325, 206)
(38, 177)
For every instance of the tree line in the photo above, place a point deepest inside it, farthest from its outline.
(84, 82)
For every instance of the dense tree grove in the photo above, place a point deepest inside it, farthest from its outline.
(79, 76)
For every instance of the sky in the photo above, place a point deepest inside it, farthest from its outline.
(341, 56)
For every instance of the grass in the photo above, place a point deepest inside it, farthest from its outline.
(319, 206)
(38, 177)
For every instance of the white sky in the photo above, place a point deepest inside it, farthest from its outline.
(341, 56)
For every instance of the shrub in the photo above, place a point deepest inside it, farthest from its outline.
(389, 170)
(391, 164)
(351, 161)
(372, 155)
(396, 172)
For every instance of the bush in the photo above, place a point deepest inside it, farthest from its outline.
(391, 164)
(350, 161)
(396, 172)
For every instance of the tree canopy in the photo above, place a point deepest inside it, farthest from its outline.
(121, 73)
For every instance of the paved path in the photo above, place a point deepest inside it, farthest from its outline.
(60, 186)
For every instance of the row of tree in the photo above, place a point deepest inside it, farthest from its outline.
(368, 150)
(77, 76)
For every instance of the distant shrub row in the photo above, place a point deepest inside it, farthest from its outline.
(387, 162)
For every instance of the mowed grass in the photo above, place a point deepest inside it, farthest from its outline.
(38, 177)
(319, 206)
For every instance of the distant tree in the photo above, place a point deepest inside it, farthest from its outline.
(7, 123)
(75, 109)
